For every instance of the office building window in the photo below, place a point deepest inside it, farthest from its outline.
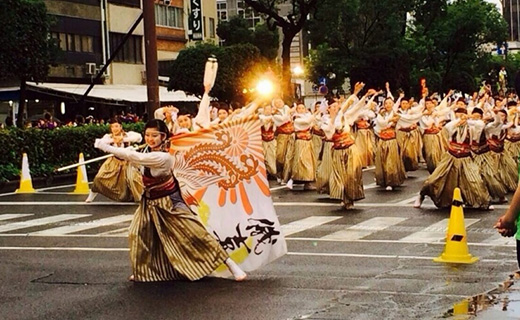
(222, 10)
(169, 16)
(211, 27)
(132, 51)
(74, 42)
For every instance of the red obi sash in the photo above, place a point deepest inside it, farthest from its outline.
(495, 144)
(286, 128)
(158, 187)
(513, 138)
(408, 129)
(479, 148)
(432, 130)
(267, 134)
(342, 140)
(459, 150)
(318, 132)
(387, 134)
(362, 124)
(304, 135)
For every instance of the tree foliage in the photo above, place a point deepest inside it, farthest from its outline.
(237, 31)
(27, 51)
(238, 68)
(447, 41)
(401, 41)
(362, 41)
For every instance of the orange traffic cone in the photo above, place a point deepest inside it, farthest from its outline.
(456, 249)
(25, 178)
(81, 179)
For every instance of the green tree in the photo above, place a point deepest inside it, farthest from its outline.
(27, 50)
(448, 41)
(360, 40)
(290, 24)
(238, 68)
(237, 30)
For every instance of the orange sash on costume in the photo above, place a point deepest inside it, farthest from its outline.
(342, 140)
(432, 130)
(362, 124)
(495, 144)
(387, 134)
(304, 135)
(286, 128)
(318, 132)
(267, 134)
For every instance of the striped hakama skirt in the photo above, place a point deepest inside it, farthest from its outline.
(304, 161)
(168, 242)
(284, 155)
(409, 145)
(324, 171)
(270, 156)
(454, 173)
(118, 180)
(487, 165)
(434, 146)
(347, 175)
(389, 169)
(365, 145)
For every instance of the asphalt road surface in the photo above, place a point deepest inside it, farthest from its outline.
(64, 259)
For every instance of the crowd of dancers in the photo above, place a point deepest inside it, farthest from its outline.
(467, 142)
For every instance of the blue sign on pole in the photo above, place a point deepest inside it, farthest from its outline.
(322, 81)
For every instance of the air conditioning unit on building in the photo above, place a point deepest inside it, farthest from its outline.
(90, 68)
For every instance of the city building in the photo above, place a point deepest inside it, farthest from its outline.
(88, 33)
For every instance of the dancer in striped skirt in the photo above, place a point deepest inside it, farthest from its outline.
(167, 240)
(117, 179)
(456, 169)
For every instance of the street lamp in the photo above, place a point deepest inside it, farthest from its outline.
(297, 70)
(265, 87)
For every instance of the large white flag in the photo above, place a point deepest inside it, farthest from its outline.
(222, 175)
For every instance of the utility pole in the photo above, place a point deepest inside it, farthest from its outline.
(152, 69)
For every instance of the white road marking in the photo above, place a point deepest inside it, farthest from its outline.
(307, 223)
(278, 188)
(307, 254)
(40, 222)
(85, 226)
(370, 186)
(122, 232)
(369, 168)
(364, 228)
(498, 240)
(435, 232)
(276, 204)
(384, 241)
(383, 256)
(407, 201)
(13, 216)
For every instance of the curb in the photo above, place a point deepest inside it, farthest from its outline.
(42, 182)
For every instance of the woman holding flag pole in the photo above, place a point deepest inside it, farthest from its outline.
(202, 211)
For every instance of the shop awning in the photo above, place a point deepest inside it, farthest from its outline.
(113, 92)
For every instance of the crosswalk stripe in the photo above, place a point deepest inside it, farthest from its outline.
(9, 216)
(435, 232)
(364, 228)
(40, 222)
(498, 240)
(307, 223)
(85, 226)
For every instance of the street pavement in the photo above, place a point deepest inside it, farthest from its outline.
(64, 259)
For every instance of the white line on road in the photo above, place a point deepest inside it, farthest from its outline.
(307, 223)
(435, 232)
(40, 222)
(384, 241)
(308, 254)
(383, 256)
(14, 216)
(85, 226)
(498, 240)
(278, 188)
(276, 204)
(364, 228)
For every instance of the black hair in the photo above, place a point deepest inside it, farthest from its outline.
(159, 125)
(115, 120)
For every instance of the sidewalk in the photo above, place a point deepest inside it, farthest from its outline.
(497, 304)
